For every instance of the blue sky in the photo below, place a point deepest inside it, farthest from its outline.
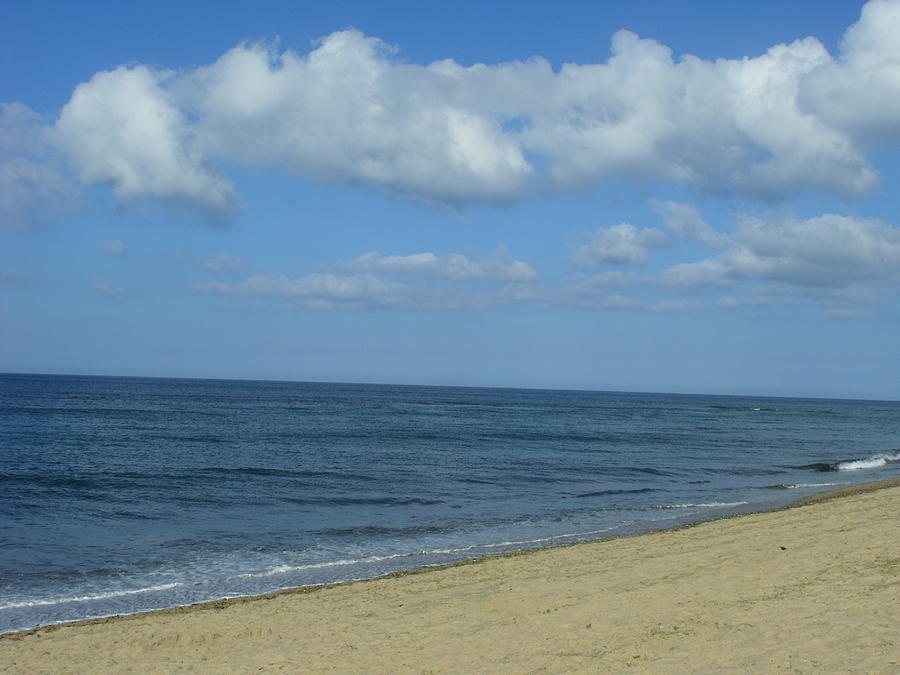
(646, 196)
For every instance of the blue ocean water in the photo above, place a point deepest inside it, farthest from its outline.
(125, 494)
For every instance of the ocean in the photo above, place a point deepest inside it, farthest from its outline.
(119, 495)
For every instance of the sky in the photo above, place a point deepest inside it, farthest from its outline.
(634, 196)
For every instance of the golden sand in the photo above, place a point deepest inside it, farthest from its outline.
(812, 588)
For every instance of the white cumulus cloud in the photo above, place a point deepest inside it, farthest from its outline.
(124, 128)
(346, 112)
(618, 245)
(793, 118)
(859, 92)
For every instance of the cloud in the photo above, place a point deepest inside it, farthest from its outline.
(223, 264)
(419, 280)
(123, 128)
(453, 266)
(114, 246)
(33, 187)
(845, 264)
(729, 126)
(859, 93)
(326, 290)
(618, 245)
(826, 252)
(347, 113)
(766, 126)
(315, 290)
(109, 291)
(686, 221)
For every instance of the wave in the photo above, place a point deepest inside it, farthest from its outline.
(785, 486)
(89, 598)
(604, 493)
(267, 472)
(870, 462)
(379, 531)
(873, 462)
(365, 501)
(480, 547)
(285, 569)
(705, 505)
(528, 542)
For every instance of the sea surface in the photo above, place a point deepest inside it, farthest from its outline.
(125, 494)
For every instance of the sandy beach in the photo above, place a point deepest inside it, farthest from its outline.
(812, 588)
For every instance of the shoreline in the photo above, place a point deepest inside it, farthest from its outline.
(532, 578)
(222, 603)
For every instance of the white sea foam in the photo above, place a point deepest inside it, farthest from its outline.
(286, 569)
(524, 542)
(88, 598)
(869, 463)
(705, 505)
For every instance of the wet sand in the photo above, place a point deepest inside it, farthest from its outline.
(812, 588)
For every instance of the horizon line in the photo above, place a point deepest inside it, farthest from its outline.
(449, 386)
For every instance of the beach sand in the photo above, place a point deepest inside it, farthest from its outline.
(813, 588)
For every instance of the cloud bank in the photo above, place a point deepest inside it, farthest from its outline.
(843, 265)
(349, 111)
(452, 266)
(817, 254)
(416, 281)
